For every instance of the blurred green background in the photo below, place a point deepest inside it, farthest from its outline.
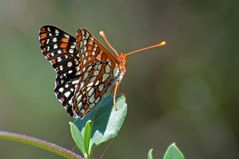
(186, 92)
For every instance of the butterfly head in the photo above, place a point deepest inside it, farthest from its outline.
(122, 58)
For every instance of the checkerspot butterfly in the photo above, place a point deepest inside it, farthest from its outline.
(85, 69)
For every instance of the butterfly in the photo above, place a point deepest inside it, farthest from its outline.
(86, 70)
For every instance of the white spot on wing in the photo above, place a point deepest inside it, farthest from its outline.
(101, 87)
(84, 42)
(54, 39)
(96, 73)
(107, 69)
(88, 88)
(79, 98)
(70, 71)
(92, 98)
(59, 59)
(82, 84)
(61, 89)
(86, 75)
(79, 106)
(90, 92)
(93, 79)
(57, 31)
(99, 67)
(116, 71)
(97, 82)
(71, 51)
(105, 76)
(67, 36)
(89, 68)
(75, 81)
(69, 64)
(90, 84)
(67, 94)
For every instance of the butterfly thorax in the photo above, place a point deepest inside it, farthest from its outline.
(122, 62)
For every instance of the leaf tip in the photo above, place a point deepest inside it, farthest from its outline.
(173, 152)
(70, 123)
(150, 153)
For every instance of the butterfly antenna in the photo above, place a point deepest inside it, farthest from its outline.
(147, 48)
(102, 34)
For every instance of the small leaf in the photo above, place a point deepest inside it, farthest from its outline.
(87, 135)
(173, 152)
(106, 121)
(77, 137)
(150, 154)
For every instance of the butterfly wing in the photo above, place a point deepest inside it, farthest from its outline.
(99, 70)
(59, 48)
(64, 91)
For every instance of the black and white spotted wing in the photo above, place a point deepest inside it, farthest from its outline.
(59, 48)
(64, 91)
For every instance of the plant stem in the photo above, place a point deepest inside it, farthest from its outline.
(40, 144)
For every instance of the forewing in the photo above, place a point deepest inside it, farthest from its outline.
(59, 48)
(99, 71)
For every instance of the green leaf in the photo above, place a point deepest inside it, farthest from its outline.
(106, 121)
(173, 152)
(150, 154)
(78, 139)
(87, 135)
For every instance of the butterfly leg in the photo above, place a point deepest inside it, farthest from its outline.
(115, 93)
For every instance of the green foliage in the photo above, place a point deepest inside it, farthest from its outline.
(82, 138)
(87, 135)
(78, 138)
(173, 152)
(150, 154)
(100, 125)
